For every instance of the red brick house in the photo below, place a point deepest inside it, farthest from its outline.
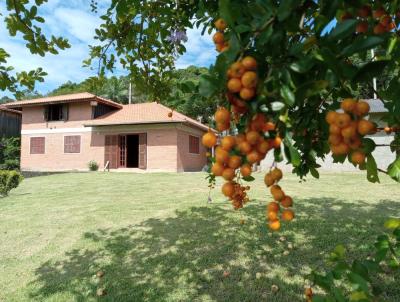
(66, 132)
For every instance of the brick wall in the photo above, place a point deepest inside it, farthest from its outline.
(188, 161)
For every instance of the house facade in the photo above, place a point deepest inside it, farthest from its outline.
(64, 133)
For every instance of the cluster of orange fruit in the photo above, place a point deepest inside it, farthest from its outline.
(219, 38)
(346, 129)
(243, 79)
(236, 154)
(280, 200)
(379, 19)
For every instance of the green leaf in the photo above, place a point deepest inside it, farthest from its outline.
(303, 65)
(343, 29)
(394, 170)
(314, 172)
(288, 95)
(207, 86)
(295, 157)
(358, 296)
(248, 178)
(372, 169)
(368, 145)
(225, 10)
(362, 43)
(392, 223)
(285, 8)
(370, 70)
(358, 281)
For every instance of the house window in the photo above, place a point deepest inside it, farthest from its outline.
(56, 112)
(37, 145)
(194, 144)
(72, 144)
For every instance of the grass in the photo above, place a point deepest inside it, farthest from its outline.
(157, 239)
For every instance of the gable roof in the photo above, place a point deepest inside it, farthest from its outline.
(143, 113)
(4, 108)
(67, 98)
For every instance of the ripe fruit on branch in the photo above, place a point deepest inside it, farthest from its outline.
(364, 12)
(287, 215)
(287, 202)
(358, 157)
(228, 142)
(277, 192)
(361, 108)
(209, 139)
(274, 225)
(273, 207)
(277, 174)
(220, 24)
(366, 127)
(234, 85)
(222, 115)
(228, 174)
(217, 169)
(247, 93)
(218, 38)
(245, 170)
(249, 63)
(228, 189)
(221, 155)
(234, 162)
(249, 79)
(362, 27)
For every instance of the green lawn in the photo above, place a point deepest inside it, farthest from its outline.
(157, 239)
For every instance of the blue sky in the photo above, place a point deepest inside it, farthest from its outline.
(73, 20)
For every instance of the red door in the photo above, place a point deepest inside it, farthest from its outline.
(111, 151)
(122, 151)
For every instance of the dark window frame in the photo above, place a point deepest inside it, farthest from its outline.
(72, 147)
(194, 144)
(33, 146)
(56, 112)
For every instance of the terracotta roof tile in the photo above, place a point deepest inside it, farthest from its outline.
(144, 113)
(75, 97)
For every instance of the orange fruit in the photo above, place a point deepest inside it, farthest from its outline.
(364, 11)
(353, 142)
(245, 170)
(276, 142)
(277, 192)
(334, 139)
(340, 149)
(219, 47)
(385, 20)
(218, 38)
(247, 93)
(362, 108)
(287, 202)
(222, 115)
(257, 122)
(269, 126)
(226, 47)
(273, 207)
(366, 127)
(388, 130)
(348, 105)
(277, 174)
(234, 85)
(358, 157)
(228, 189)
(228, 174)
(362, 27)
(209, 139)
(378, 13)
(245, 147)
(334, 129)
(222, 126)
(228, 142)
(263, 147)
(390, 26)
(221, 155)
(346, 16)
(234, 162)
(237, 69)
(349, 131)
(287, 215)
(274, 225)
(253, 157)
(269, 180)
(240, 138)
(252, 137)
(217, 169)
(379, 29)
(272, 215)
(220, 24)
(331, 117)
(308, 292)
(343, 120)
(249, 79)
(249, 63)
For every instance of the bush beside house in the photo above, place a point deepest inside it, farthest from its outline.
(9, 180)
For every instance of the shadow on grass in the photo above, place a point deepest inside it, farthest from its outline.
(183, 258)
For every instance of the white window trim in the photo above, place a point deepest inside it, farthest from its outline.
(29, 147)
(198, 137)
(80, 144)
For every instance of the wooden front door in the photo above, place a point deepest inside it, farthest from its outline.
(111, 151)
(122, 151)
(143, 151)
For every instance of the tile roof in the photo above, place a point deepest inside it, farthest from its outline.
(144, 113)
(75, 97)
(4, 108)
